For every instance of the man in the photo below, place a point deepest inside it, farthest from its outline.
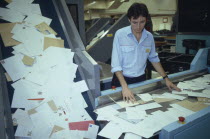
(132, 46)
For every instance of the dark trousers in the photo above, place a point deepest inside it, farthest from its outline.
(116, 82)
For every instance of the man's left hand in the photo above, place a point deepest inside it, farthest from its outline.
(171, 86)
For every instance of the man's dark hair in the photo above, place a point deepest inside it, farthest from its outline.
(136, 10)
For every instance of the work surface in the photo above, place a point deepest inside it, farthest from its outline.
(154, 109)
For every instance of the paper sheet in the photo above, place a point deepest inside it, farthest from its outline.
(151, 124)
(132, 136)
(145, 128)
(23, 95)
(106, 113)
(179, 93)
(194, 94)
(145, 97)
(14, 67)
(22, 131)
(53, 56)
(174, 96)
(25, 8)
(124, 116)
(44, 133)
(160, 100)
(107, 131)
(180, 108)
(64, 72)
(22, 118)
(23, 91)
(35, 19)
(163, 117)
(191, 85)
(124, 104)
(11, 15)
(92, 132)
(133, 113)
(79, 86)
(77, 114)
(148, 106)
(175, 113)
(33, 40)
(38, 77)
(168, 96)
(64, 134)
(206, 92)
(21, 49)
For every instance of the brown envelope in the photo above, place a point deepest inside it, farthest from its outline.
(160, 100)
(7, 39)
(8, 1)
(194, 106)
(53, 42)
(52, 105)
(32, 111)
(28, 60)
(8, 77)
(45, 29)
(56, 129)
(5, 29)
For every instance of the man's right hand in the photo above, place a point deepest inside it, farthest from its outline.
(128, 95)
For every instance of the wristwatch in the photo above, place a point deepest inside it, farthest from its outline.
(165, 77)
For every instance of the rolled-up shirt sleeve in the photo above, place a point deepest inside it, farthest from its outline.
(153, 56)
(116, 63)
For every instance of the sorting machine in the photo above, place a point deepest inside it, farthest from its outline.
(89, 70)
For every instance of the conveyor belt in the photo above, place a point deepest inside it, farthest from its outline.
(153, 88)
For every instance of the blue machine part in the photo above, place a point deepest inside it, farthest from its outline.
(196, 127)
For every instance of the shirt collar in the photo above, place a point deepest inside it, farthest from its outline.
(129, 32)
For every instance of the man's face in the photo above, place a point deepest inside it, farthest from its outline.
(138, 24)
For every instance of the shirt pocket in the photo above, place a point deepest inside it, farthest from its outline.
(128, 54)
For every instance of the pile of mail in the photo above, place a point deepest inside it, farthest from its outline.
(49, 103)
